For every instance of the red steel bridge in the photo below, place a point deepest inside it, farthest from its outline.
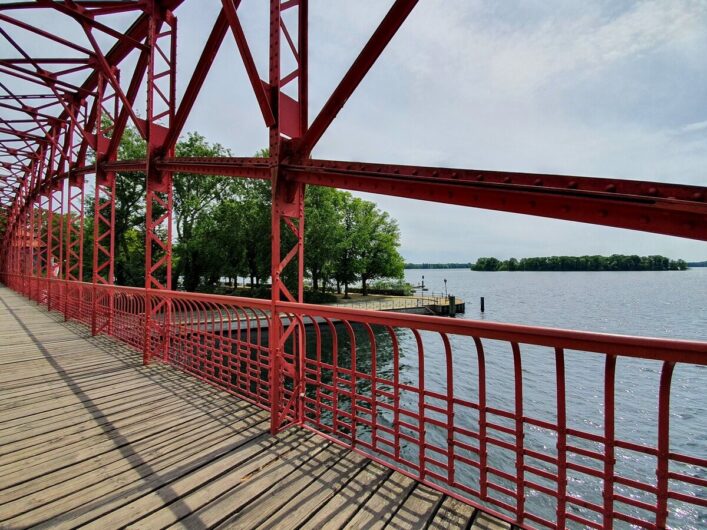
(62, 116)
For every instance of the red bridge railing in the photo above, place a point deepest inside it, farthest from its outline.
(541, 427)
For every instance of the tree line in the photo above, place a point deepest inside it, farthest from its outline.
(615, 262)
(223, 229)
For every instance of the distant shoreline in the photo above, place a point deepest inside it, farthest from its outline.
(596, 263)
(613, 263)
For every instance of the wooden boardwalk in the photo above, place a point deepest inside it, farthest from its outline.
(89, 437)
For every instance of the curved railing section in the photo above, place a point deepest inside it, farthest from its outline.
(542, 427)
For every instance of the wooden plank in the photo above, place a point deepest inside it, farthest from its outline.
(484, 521)
(29, 443)
(316, 494)
(178, 499)
(417, 510)
(197, 429)
(103, 426)
(68, 507)
(383, 504)
(34, 419)
(337, 511)
(94, 447)
(252, 486)
(54, 389)
(77, 373)
(78, 396)
(286, 489)
(452, 514)
(111, 497)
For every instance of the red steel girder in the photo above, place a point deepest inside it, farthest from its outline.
(670, 209)
(229, 9)
(658, 207)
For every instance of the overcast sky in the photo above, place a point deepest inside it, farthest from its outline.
(601, 88)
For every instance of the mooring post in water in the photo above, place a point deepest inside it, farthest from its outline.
(482, 304)
(452, 305)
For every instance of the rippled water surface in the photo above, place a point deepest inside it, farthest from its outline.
(659, 304)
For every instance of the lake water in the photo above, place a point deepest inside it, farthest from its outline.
(659, 304)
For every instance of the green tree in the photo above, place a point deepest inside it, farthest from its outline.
(380, 240)
(195, 196)
(323, 231)
(130, 214)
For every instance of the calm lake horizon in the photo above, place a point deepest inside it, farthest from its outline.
(671, 304)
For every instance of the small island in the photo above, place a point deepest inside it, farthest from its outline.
(615, 262)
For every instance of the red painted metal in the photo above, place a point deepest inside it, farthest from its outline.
(161, 89)
(103, 214)
(287, 211)
(661, 208)
(306, 364)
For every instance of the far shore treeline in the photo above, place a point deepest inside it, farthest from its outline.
(615, 262)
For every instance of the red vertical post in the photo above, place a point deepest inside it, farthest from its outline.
(663, 467)
(161, 97)
(36, 245)
(609, 431)
(51, 208)
(103, 223)
(561, 437)
(288, 211)
(74, 232)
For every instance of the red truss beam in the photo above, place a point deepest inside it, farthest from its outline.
(229, 9)
(658, 207)
(161, 99)
(287, 213)
(662, 208)
(104, 219)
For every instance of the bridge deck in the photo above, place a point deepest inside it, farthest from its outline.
(88, 436)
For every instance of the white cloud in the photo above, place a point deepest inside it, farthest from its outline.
(694, 127)
(526, 86)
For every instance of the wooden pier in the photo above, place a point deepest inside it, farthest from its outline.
(88, 436)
